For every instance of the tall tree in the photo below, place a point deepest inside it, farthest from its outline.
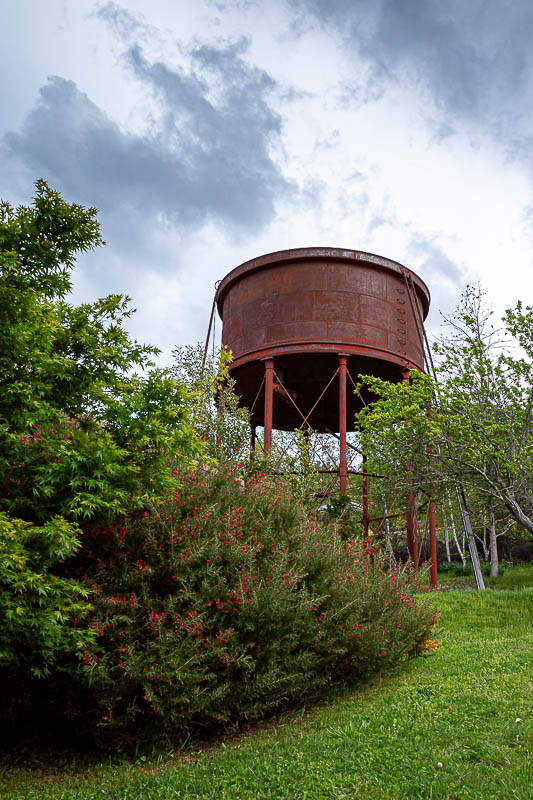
(479, 431)
(87, 423)
(82, 433)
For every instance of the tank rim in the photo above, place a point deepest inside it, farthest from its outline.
(305, 253)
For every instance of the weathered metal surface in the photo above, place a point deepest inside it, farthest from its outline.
(269, 402)
(303, 308)
(343, 465)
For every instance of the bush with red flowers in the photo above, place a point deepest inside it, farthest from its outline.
(230, 601)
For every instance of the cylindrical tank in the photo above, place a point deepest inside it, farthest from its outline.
(304, 308)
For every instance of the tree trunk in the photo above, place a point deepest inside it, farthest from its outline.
(486, 544)
(460, 550)
(446, 537)
(494, 566)
(516, 512)
(387, 529)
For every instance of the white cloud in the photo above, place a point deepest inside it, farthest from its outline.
(212, 132)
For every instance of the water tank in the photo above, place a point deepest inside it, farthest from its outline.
(305, 307)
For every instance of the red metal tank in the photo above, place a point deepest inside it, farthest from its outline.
(306, 307)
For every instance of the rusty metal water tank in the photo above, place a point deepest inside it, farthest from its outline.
(305, 307)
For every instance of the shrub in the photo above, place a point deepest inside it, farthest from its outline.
(87, 424)
(35, 603)
(230, 600)
(87, 421)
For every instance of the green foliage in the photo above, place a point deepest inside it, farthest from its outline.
(230, 600)
(38, 244)
(41, 612)
(341, 508)
(454, 569)
(218, 421)
(479, 428)
(224, 426)
(80, 433)
(296, 454)
(396, 429)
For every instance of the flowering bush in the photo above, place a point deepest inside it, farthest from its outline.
(87, 428)
(230, 600)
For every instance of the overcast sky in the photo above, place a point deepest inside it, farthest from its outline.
(208, 132)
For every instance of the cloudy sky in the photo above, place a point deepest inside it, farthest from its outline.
(208, 132)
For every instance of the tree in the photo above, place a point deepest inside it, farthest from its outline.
(479, 430)
(82, 435)
(36, 603)
(216, 417)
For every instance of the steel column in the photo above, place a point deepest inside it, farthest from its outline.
(410, 515)
(269, 400)
(433, 542)
(366, 518)
(432, 525)
(412, 528)
(253, 437)
(343, 464)
(220, 413)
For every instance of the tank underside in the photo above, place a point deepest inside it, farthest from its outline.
(301, 380)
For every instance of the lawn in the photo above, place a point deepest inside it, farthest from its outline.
(510, 578)
(454, 724)
(513, 577)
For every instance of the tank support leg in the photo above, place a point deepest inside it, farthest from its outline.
(433, 542)
(365, 499)
(412, 533)
(269, 399)
(343, 464)
(410, 514)
(432, 524)
(220, 414)
(253, 437)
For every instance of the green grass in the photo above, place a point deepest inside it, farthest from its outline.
(443, 726)
(515, 577)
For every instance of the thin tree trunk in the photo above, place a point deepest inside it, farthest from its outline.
(516, 512)
(486, 544)
(387, 529)
(494, 565)
(446, 537)
(460, 550)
